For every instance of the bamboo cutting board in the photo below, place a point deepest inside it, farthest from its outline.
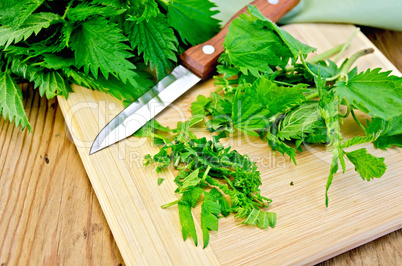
(306, 231)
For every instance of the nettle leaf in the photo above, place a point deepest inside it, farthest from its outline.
(358, 140)
(14, 12)
(249, 114)
(367, 165)
(296, 47)
(50, 83)
(191, 180)
(127, 92)
(198, 106)
(156, 41)
(261, 219)
(373, 92)
(277, 145)
(98, 45)
(144, 10)
(210, 209)
(56, 61)
(113, 3)
(192, 195)
(390, 132)
(193, 20)
(392, 126)
(388, 142)
(32, 25)
(325, 68)
(253, 48)
(11, 104)
(299, 122)
(278, 98)
(83, 11)
(187, 222)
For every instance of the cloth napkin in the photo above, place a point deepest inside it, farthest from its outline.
(386, 14)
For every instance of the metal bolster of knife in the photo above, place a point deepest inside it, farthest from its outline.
(202, 59)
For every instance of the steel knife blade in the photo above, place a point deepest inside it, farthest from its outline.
(198, 63)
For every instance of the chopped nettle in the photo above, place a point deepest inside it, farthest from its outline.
(206, 168)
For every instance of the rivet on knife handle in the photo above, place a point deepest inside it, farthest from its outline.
(203, 63)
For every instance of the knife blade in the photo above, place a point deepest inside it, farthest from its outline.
(198, 63)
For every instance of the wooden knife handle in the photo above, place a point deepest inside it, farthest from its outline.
(202, 63)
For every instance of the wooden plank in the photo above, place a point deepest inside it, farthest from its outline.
(306, 232)
(49, 214)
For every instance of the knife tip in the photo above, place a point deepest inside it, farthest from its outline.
(94, 149)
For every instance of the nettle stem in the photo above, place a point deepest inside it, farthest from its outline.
(164, 206)
(357, 121)
(325, 55)
(311, 96)
(343, 74)
(335, 50)
(305, 65)
(347, 44)
(67, 9)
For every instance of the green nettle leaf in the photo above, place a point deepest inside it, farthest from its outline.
(192, 195)
(55, 61)
(296, 47)
(253, 48)
(128, 92)
(11, 105)
(373, 92)
(388, 142)
(326, 69)
(359, 140)
(14, 12)
(299, 122)
(113, 3)
(210, 210)
(191, 180)
(144, 10)
(98, 45)
(392, 126)
(249, 114)
(277, 145)
(261, 219)
(193, 20)
(32, 25)
(187, 222)
(51, 83)
(83, 11)
(198, 106)
(156, 41)
(367, 165)
(386, 134)
(278, 98)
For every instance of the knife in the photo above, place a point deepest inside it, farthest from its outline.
(198, 63)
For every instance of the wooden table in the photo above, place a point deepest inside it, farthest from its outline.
(50, 215)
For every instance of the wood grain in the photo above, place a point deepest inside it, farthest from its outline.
(71, 229)
(306, 232)
(49, 214)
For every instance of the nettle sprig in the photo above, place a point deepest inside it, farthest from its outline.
(101, 45)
